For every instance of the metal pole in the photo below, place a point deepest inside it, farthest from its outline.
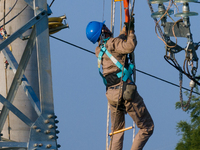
(14, 129)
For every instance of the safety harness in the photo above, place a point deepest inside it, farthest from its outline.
(126, 72)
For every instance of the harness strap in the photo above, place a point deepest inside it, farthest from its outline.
(126, 73)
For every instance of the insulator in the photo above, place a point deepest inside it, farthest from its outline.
(184, 1)
(161, 11)
(192, 83)
(157, 1)
(186, 12)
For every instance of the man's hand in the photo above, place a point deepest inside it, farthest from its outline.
(130, 26)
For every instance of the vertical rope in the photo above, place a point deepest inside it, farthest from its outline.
(120, 15)
(155, 20)
(133, 131)
(103, 10)
(120, 91)
(111, 20)
(107, 131)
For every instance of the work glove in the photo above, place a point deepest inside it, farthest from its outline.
(130, 26)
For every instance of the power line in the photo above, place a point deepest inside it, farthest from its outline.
(51, 3)
(136, 69)
(72, 44)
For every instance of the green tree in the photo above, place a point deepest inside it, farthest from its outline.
(190, 131)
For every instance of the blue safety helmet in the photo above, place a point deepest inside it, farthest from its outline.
(93, 30)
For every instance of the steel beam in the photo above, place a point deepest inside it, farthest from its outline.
(45, 85)
(44, 60)
(20, 31)
(29, 2)
(15, 111)
(13, 144)
(24, 82)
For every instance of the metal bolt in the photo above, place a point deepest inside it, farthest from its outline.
(50, 126)
(57, 131)
(47, 131)
(56, 121)
(35, 145)
(50, 116)
(51, 136)
(34, 127)
(46, 121)
(38, 130)
(36, 8)
(48, 146)
(40, 145)
(58, 146)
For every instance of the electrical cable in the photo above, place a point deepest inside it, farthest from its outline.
(51, 3)
(72, 44)
(136, 69)
(15, 16)
(9, 11)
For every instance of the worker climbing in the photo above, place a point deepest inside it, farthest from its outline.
(121, 91)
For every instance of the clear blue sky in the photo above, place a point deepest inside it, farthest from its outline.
(79, 93)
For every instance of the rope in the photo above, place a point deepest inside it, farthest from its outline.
(134, 69)
(166, 12)
(111, 25)
(187, 105)
(120, 90)
(103, 10)
(120, 15)
(177, 66)
(107, 131)
(155, 20)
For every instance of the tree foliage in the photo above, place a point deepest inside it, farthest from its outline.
(190, 131)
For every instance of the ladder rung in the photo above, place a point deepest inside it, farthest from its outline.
(121, 130)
